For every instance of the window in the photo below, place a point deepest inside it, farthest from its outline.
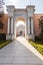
(1, 25)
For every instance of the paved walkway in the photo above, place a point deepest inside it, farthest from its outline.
(17, 53)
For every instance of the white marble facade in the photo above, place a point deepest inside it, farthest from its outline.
(27, 14)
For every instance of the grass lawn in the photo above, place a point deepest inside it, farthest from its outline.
(38, 45)
(4, 43)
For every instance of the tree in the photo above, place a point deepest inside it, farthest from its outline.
(1, 25)
(41, 27)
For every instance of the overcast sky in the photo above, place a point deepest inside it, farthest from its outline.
(22, 4)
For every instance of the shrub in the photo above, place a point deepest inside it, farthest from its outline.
(38, 45)
(41, 36)
(2, 36)
(37, 38)
(4, 43)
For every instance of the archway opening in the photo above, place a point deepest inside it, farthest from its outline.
(20, 27)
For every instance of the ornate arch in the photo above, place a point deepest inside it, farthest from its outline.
(20, 18)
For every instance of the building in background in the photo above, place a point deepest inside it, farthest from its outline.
(20, 30)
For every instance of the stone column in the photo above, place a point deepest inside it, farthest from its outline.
(15, 29)
(28, 24)
(32, 25)
(11, 25)
(32, 28)
(27, 28)
(8, 36)
(12, 28)
(8, 26)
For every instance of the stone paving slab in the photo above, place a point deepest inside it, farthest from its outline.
(17, 54)
(6, 59)
(25, 60)
(21, 64)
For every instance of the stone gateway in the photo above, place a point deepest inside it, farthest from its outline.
(14, 15)
(26, 15)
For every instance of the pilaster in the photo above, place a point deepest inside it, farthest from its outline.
(12, 25)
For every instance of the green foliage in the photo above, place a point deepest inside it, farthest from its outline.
(41, 26)
(38, 45)
(41, 36)
(37, 38)
(41, 22)
(4, 43)
(2, 36)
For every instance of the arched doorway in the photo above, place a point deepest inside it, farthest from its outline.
(20, 27)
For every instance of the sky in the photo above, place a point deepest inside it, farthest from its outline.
(23, 3)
